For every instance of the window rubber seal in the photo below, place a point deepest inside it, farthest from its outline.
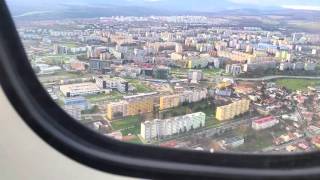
(85, 146)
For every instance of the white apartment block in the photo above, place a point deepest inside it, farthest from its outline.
(193, 96)
(73, 111)
(161, 128)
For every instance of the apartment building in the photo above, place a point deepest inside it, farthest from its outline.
(193, 96)
(117, 110)
(73, 111)
(170, 101)
(161, 128)
(131, 106)
(232, 110)
(235, 55)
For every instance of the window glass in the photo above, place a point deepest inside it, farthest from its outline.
(213, 76)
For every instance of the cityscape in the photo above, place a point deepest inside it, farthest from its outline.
(229, 81)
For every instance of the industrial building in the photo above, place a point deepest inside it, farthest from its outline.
(82, 89)
(264, 123)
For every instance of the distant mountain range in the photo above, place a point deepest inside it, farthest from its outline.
(58, 9)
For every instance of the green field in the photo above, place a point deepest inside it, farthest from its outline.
(140, 87)
(297, 84)
(212, 72)
(57, 59)
(256, 141)
(125, 123)
(127, 126)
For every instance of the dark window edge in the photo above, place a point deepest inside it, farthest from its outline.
(79, 143)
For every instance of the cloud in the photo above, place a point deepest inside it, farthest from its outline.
(299, 7)
(277, 2)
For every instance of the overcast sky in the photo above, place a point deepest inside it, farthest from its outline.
(197, 5)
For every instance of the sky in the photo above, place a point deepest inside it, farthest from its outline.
(187, 5)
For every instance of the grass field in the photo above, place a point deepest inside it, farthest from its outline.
(297, 84)
(125, 123)
(140, 87)
(127, 126)
(212, 72)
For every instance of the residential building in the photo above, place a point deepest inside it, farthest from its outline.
(170, 101)
(310, 66)
(193, 96)
(157, 128)
(234, 69)
(232, 110)
(131, 106)
(235, 55)
(260, 66)
(101, 66)
(140, 105)
(195, 76)
(116, 110)
(73, 111)
(161, 73)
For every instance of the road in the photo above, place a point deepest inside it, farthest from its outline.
(268, 78)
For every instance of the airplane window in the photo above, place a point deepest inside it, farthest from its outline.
(229, 76)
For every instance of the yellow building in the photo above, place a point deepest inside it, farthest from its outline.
(140, 106)
(170, 101)
(131, 106)
(222, 85)
(117, 110)
(284, 55)
(232, 110)
(235, 55)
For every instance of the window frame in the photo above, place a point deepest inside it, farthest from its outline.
(85, 146)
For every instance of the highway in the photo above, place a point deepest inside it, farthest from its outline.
(268, 78)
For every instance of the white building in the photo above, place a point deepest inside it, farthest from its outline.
(193, 96)
(195, 76)
(82, 89)
(45, 69)
(161, 128)
(73, 111)
(105, 82)
(264, 123)
(234, 69)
